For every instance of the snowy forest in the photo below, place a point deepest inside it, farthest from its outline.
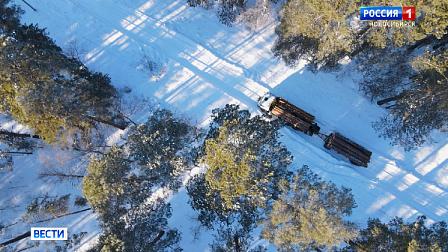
(243, 184)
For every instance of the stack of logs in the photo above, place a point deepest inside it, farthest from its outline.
(295, 110)
(357, 154)
(292, 120)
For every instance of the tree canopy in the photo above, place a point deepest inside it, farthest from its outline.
(121, 184)
(244, 157)
(54, 95)
(397, 235)
(309, 214)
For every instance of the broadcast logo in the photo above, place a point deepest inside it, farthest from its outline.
(387, 13)
(48, 234)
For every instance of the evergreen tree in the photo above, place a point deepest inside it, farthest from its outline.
(229, 10)
(142, 228)
(16, 143)
(162, 147)
(308, 214)
(324, 32)
(206, 4)
(213, 214)
(316, 31)
(236, 185)
(50, 93)
(229, 196)
(232, 239)
(71, 243)
(400, 236)
(128, 221)
(385, 71)
(46, 208)
(9, 17)
(120, 184)
(244, 156)
(420, 105)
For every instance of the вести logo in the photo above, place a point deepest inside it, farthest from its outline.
(48, 233)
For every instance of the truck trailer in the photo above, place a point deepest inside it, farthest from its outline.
(355, 153)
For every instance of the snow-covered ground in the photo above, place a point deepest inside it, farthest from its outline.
(209, 65)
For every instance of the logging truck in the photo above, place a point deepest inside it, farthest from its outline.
(302, 121)
(295, 117)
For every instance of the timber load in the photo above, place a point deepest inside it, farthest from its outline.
(295, 122)
(284, 104)
(355, 153)
(303, 121)
(295, 117)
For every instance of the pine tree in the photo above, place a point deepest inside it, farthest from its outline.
(120, 184)
(229, 10)
(9, 17)
(106, 178)
(385, 71)
(244, 156)
(245, 161)
(400, 236)
(324, 32)
(421, 106)
(142, 228)
(71, 243)
(315, 31)
(211, 213)
(62, 96)
(206, 4)
(16, 143)
(308, 214)
(231, 239)
(46, 208)
(129, 222)
(162, 147)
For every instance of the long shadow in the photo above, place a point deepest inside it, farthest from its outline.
(318, 94)
(344, 113)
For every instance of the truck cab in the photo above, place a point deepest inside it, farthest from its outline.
(265, 102)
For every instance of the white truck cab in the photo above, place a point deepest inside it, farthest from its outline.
(265, 101)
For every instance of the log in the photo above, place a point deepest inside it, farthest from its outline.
(295, 122)
(295, 110)
(349, 145)
(333, 142)
(345, 154)
(29, 5)
(357, 146)
(16, 239)
(352, 152)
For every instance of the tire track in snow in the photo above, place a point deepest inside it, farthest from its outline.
(328, 161)
(174, 41)
(363, 173)
(191, 61)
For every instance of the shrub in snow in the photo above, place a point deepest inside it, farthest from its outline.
(153, 65)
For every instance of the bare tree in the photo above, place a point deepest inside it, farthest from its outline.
(74, 50)
(62, 167)
(154, 66)
(261, 14)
